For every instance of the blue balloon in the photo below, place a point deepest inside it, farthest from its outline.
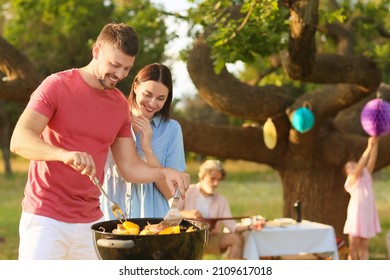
(302, 119)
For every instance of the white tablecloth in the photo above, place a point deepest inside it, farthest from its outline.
(304, 237)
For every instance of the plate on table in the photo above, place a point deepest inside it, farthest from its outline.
(280, 222)
(250, 220)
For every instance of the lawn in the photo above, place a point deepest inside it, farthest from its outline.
(257, 186)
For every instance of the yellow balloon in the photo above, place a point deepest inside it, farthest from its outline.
(269, 134)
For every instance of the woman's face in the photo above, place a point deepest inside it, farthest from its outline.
(150, 97)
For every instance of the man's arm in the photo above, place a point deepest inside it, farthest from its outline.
(133, 169)
(26, 142)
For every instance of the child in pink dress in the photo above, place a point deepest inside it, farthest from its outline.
(362, 216)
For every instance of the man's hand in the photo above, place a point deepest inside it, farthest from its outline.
(80, 161)
(177, 179)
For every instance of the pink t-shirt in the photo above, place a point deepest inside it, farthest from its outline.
(80, 119)
(218, 207)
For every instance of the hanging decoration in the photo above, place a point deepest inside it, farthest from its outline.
(375, 117)
(293, 136)
(269, 134)
(303, 119)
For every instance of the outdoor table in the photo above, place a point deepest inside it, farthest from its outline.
(292, 239)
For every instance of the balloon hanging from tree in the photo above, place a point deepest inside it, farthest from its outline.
(303, 119)
(269, 134)
(375, 117)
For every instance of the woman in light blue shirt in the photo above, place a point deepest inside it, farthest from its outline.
(159, 141)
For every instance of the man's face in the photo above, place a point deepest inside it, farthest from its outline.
(112, 65)
(209, 183)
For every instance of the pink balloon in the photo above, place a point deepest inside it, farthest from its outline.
(375, 117)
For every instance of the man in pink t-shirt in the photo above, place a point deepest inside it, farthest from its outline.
(66, 130)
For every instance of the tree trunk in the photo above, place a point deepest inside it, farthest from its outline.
(4, 138)
(321, 191)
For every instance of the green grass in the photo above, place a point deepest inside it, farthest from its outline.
(251, 189)
(378, 247)
(11, 194)
(258, 188)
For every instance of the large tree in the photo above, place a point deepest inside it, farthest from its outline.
(335, 81)
(43, 37)
(40, 37)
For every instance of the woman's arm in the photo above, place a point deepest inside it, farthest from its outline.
(363, 159)
(142, 124)
(172, 152)
(373, 154)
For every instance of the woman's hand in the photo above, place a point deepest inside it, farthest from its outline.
(142, 124)
(373, 140)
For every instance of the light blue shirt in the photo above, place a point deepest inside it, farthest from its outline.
(145, 200)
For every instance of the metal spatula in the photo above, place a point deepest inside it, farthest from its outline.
(173, 216)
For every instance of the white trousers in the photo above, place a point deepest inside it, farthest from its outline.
(43, 238)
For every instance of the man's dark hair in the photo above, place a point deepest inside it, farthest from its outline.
(121, 36)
